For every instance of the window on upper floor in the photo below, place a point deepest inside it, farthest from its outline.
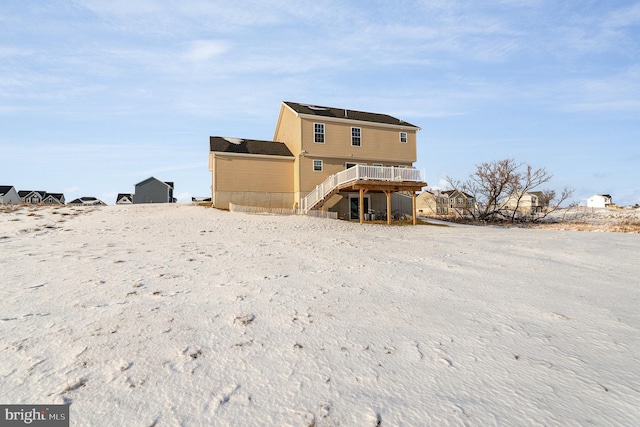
(317, 165)
(403, 137)
(318, 133)
(356, 137)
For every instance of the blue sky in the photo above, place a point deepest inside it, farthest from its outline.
(96, 95)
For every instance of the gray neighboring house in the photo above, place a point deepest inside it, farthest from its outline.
(152, 190)
(33, 197)
(8, 194)
(53, 199)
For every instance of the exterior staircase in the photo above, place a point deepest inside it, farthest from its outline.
(371, 174)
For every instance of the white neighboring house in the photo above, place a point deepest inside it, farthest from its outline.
(8, 194)
(599, 201)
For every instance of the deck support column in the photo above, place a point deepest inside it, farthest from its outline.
(361, 205)
(413, 206)
(388, 194)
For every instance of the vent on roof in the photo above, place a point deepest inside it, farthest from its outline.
(313, 107)
(236, 141)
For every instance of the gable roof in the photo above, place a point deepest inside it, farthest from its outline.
(25, 193)
(343, 113)
(248, 146)
(453, 193)
(151, 178)
(4, 189)
(56, 196)
(121, 195)
(86, 201)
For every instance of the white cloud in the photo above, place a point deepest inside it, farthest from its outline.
(204, 50)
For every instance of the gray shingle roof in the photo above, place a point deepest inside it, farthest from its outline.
(248, 146)
(342, 113)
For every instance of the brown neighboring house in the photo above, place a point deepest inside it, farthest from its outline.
(346, 161)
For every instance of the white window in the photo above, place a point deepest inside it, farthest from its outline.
(377, 164)
(349, 165)
(318, 133)
(317, 165)
(403, 137)
(356, 137)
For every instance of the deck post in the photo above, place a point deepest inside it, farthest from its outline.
(361, 205)
(388, 194)
(413, 206)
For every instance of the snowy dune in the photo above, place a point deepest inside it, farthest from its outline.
(173, 315)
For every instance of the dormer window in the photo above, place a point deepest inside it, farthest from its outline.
(403, 137)
(318, 133)
(356, 137)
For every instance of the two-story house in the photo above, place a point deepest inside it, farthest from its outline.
(346, 161)
(526, 203)
(152, 190)
(599, 201)
(448, 202)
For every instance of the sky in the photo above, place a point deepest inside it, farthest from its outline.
(96, 96)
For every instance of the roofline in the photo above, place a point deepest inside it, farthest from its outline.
(261, 156)
(347, 120)
(147, 179)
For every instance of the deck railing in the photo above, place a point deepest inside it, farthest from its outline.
(357, 173)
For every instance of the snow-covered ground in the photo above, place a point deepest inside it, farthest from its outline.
(173, 315)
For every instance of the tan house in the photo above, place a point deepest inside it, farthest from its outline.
(528, 203)
(349, 162)
(449, 202)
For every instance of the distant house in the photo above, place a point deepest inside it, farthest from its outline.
(449, 202)
(200, 199)
(124, 199)
(525, 203)
(152, 190)
(599, 201)
(8, 194)
(427, 203)
(87, 201)
(53, 199)
(32, 197)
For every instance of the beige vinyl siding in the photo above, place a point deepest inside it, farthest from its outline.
(379, 144)
(289, 131)
(239, 173)
(311, 178)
